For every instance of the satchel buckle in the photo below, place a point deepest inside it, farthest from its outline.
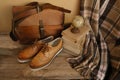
(38, 8)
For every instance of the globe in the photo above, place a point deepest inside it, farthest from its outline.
(78, 21)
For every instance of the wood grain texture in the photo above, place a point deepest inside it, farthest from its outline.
(11, 69)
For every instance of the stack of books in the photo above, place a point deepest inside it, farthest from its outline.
(74, 42)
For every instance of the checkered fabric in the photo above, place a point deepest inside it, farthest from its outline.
(103, 16)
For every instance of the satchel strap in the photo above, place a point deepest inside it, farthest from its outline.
(48, 6)
(36, 4)
(12, 33)
(36, 8)
(41, 29)
(32, 4)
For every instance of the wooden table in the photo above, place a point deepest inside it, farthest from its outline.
(11, 69)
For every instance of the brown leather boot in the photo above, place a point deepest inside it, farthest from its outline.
(46, 54)
(28, 53)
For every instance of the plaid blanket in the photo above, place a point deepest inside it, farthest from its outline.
(103, 16)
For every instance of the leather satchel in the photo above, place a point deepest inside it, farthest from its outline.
(34, 21)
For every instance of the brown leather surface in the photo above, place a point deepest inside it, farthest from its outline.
(25, 14)
(31, 33)
(32, 4)
(26, 26)
(19, 9)
(53, 29)
(46, 54)
(50, 6)
(48, 16)
(31, 51)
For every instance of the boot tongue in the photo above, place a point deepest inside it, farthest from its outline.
(37, 44)
(46, 40)
(46, 50)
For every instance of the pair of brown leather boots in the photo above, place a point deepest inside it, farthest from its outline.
(41, 53)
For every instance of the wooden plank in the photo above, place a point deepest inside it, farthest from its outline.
(58, 69)
(10, 68)
(6, 42)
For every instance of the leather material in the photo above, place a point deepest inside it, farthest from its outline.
(23, 11)
(30, 51)
(26, 25)
(50, 6)
(46, 54)
(28, 34)
(19, 9)
(25, 14)
(48, 16)
(52, 26)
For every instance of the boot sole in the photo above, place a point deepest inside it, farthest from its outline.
(23, 61)
(36, 69)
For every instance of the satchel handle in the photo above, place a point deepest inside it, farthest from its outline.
(32, 4)
(48, 6)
